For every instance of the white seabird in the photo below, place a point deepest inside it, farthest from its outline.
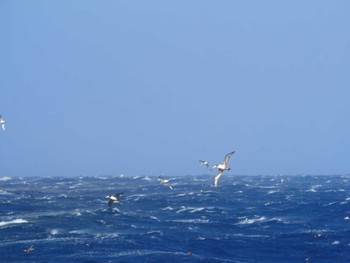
(113, 198)
(29, 249)
(222, 167)
(206, 164)
(166, 182)
(2, 122)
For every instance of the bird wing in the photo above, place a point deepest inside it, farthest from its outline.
(3, 126)
(227, 157)
(217, 177)
(170, 186)
(110, 202)
(118, 194)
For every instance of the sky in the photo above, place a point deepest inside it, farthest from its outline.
(139, 87)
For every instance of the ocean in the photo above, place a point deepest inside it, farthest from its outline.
(245, 219)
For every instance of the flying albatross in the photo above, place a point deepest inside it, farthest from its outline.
(29, 249)
(206, 164)
(2, 122)
(113, 198)
(165, 182)
(222, 167)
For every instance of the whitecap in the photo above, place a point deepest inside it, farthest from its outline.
(313, 188)
(190, 209)
(190, 193)
(80, 231)
(2, 192)
(54, 232)
(77, 213)
(155, 232)
(15, 221)
(147, 178)
(168, 208)
(336, 242)
(75, 186)
(196, 221)
(251, 236)
(102, 177)
(247, 221)
(5, 178)
(331, 203)
(154, 218)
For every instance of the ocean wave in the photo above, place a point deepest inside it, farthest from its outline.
(186, 194)
(193, 209)
(147, 178)
(313, 188)
(258, 220)
(196, 221)
(15, 221)
(2, 192)
(168, 208)
(273, 191)
(54, 232)
(148, 252)
(251, 236)
(5, 178)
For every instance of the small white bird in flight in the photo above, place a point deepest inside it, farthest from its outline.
(113, 198)
(2, 122)
(222, 167)
(206, 164)
(165, 182)
(29, 249)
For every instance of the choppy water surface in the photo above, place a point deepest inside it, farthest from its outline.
(246, 219)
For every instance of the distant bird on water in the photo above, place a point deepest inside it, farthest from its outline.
(165, 182)
(206, 164)
(2, 122)
(113, 198)
(222, 167)
(28, 250)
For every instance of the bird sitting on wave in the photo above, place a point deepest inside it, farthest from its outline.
(222, 167)
(165, 182)
(113, 198)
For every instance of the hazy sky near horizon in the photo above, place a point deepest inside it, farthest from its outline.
(151, 87)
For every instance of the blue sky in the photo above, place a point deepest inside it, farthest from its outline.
(151, 87)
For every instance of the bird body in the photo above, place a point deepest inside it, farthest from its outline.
(166, 182)
(2, 122)
(205, 163)
(222, 167)
(113, 198)
(28, 250)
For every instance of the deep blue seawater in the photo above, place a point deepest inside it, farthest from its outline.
(246, 219)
